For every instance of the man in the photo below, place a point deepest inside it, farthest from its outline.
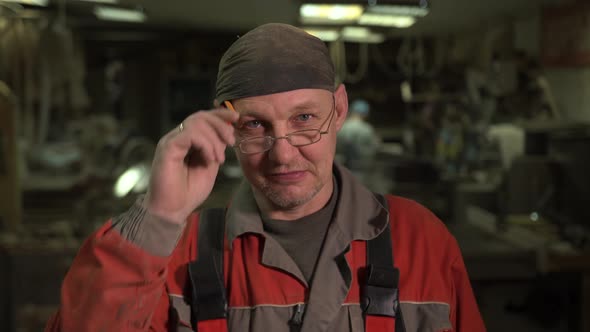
(357, 141)
(295, 249)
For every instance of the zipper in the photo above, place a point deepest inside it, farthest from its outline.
(297, 318)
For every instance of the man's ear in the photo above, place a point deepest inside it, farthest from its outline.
(341, 99)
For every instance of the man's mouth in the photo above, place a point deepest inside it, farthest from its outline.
(287, 176)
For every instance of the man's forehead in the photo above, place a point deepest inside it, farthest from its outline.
(291, 100)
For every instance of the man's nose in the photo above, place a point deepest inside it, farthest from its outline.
(282, 152)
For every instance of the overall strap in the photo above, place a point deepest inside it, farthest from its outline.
(206, 275)
(379, 299)
(380, 296)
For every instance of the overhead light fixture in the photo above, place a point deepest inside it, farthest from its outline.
(119, 14)
(109, 2)
(361, 35)
(398, 10)
(352, 34)
(42, 3)
(327, 35)
(394, 21)
(329, 13)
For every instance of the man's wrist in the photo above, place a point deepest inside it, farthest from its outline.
(148, 231)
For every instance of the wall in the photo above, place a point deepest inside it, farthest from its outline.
(10, 198)
(570, 85)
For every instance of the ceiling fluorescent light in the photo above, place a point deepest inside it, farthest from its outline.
(42, 3)
(119, 14)
(387, 20)
(327, 35)
(361, 35)
(398, 10)
(109, 2)
(335, 14)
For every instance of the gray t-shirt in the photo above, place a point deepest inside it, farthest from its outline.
(303, 238)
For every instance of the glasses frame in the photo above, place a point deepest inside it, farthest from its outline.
(272, 139)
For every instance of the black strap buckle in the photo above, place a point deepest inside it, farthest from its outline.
(380, 295)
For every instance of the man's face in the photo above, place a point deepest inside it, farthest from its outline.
(289, 176)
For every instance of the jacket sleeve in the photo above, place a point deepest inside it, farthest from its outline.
(465, 315)
(117, 280)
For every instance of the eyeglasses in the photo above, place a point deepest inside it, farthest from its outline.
(298, 138)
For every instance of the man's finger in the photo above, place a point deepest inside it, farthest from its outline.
(224, 130)
(223, 113)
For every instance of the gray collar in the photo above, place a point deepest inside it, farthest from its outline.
(358, 215)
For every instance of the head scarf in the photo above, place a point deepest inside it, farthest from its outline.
(274, 58)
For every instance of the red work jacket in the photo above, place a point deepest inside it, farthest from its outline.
(114, 285)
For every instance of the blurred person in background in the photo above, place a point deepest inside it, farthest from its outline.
(357, 142)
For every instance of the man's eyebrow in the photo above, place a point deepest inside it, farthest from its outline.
(251, 113)
(306, 106)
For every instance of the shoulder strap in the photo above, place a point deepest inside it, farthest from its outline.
(206, 276)
(382, 245)
(381, 292)
(380, 296)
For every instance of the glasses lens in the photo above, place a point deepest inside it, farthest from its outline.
(255, 145)
(304, 137)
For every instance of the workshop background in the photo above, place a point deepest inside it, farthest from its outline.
(482, 109)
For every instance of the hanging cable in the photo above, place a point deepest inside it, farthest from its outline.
(411, 58)
(404, 58)
(337, 54)
(11, 8)
(419, 57)
(62, 13)
(363, 65)
(384, 67)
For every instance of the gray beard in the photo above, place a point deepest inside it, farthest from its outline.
(285, 203)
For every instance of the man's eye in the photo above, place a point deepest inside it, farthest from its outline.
(304, 117)
(253, 124)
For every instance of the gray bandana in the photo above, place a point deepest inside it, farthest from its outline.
(274, 58)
